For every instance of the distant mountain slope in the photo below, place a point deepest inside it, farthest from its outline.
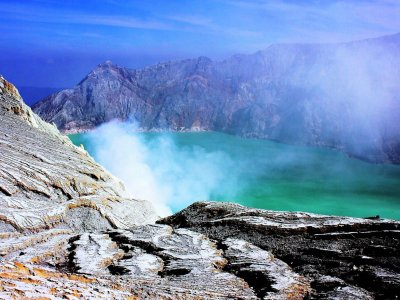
(33, 94)
(344, 96)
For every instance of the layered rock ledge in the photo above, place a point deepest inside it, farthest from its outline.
(342, 257)
(46, 181)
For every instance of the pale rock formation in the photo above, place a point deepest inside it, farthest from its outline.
(46, 181)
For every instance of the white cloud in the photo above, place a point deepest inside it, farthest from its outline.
(327, 21)
(46, 15)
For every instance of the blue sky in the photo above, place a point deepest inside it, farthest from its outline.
(55, 43)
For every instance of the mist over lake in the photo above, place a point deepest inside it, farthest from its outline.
(180, 168)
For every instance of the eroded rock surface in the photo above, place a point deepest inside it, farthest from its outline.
(47, 182)
(343, 258)
(146, 261)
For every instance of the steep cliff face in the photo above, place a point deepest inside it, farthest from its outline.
(342, 96)
(47, 182)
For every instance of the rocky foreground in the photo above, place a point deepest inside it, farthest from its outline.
(341, 257)
(69, 230)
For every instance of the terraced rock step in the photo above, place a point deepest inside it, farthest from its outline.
(270, 277)
(182, 258)
(26, 281)
(342, 258)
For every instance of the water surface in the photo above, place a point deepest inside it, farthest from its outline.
(277, 176)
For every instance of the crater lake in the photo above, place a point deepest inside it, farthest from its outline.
(269, 175)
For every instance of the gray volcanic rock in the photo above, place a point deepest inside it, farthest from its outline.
(144, 262)
(46, 181)
(343, 96)
(343, 258)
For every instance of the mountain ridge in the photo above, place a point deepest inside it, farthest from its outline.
(341, 96)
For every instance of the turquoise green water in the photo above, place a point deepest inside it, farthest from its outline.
(276, 176)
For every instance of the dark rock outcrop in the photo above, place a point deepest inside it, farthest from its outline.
(343, 258)
(343, 96)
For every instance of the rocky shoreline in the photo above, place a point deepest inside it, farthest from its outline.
(136, 130)
(68, 229)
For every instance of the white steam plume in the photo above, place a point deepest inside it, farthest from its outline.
(158, 171)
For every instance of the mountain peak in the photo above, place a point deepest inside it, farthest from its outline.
(8, 88)
(204, 59)
(106, 64)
